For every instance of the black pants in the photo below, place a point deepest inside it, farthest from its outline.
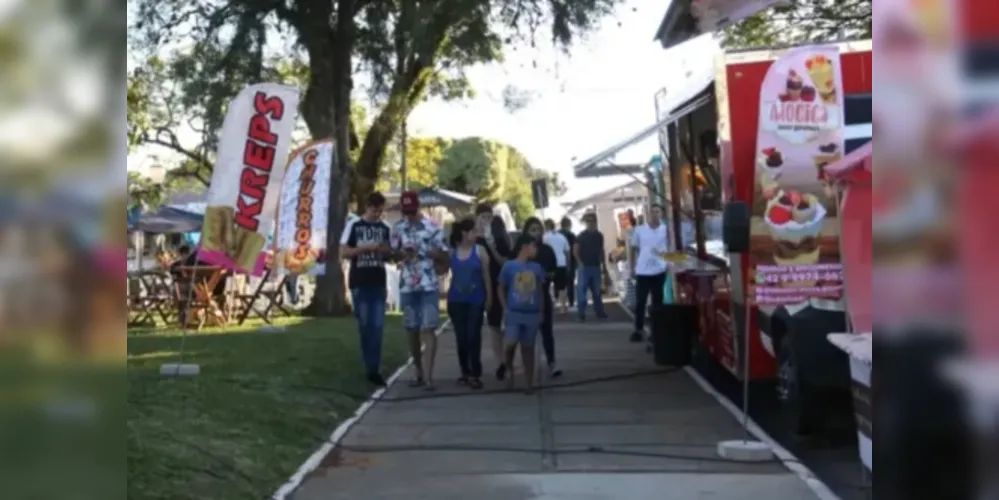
(570, 286)
(466, 319)
(644, 286)
(548, 328)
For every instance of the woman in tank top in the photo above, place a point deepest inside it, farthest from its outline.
(469, 296)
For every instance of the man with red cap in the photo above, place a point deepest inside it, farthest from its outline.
(419, 244)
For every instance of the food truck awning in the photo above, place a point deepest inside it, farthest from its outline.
(701, 96)
(684, 20)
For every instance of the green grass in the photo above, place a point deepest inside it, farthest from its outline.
(261, 405)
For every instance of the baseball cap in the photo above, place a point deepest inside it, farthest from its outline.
(409, 202)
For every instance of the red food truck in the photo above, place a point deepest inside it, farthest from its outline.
(716, 129)
(789, 273)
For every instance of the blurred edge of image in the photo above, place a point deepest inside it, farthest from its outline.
(62, 247)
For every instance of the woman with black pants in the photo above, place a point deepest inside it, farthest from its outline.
(546, 257)
(493, 237)
(469, 295)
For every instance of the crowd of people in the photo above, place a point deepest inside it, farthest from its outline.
(508, 291)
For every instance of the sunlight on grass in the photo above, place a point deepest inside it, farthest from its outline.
(262, 404)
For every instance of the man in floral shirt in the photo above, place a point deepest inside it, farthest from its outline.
(418, 244)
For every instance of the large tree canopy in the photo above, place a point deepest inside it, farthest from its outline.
(803, 21)
(406, 50)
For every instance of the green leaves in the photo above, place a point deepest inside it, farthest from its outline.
(803, 21)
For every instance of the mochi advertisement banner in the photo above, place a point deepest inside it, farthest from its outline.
(300, 240)
(243, 196)
(795, 254)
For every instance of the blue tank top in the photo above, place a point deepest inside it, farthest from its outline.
(467, 284)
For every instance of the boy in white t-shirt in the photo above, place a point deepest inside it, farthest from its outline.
(560, 244)
(648, 242)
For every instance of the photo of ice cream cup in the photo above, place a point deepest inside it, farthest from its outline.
(828, 154)
(795, 221)
(769, 165)
(795, 84)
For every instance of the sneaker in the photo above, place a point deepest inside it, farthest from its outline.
(636, 337)
(554, 371)
(376, 379)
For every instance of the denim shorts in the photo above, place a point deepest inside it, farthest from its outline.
(420, 310)
(522, 327)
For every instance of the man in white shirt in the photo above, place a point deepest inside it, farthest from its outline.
(649, 242)
(560, 244)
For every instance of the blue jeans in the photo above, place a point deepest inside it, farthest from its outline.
(420, 310)
(589, 279)
(291, 288)
(369, 309)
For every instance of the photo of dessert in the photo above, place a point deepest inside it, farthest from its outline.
(795, 89)
(768, 164)
(795, 84)
(219, 233)
(296, 262)
(823, 74)
(827, 155)
(795, 221)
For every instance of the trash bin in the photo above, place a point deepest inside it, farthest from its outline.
(674, 328)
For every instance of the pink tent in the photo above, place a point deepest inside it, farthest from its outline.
(855, 237)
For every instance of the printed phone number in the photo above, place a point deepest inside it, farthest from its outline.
(810, 291)
(793, 277)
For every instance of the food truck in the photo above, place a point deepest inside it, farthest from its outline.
(777, 129)
(788, 279)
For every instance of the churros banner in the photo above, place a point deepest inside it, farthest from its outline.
(795, 251)
(243, 197)
(300, 240)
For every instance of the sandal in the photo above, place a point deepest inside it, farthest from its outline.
(429, 387)
(417, 382)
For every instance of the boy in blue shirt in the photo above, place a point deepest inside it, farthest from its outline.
(521, 287)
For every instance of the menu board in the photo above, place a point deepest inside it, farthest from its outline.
(794, 242)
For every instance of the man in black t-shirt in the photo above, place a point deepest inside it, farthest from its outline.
(495, 239)
(365, 243)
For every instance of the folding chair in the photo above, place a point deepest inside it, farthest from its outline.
(270, 292)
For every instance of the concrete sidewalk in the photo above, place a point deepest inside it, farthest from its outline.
(646, 436)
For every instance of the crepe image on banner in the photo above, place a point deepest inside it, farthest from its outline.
(217, 232)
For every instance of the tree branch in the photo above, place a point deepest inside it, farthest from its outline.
(173, 144)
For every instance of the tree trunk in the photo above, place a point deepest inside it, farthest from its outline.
(369, 163)
(409, 88)
(328, 93)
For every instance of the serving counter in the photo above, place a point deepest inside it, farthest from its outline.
(859, 347)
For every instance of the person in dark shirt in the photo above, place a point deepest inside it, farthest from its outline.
(185, 257)
(494, 238)
(365, 243)
(546, 257)
(570, 285)
(589, 252)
